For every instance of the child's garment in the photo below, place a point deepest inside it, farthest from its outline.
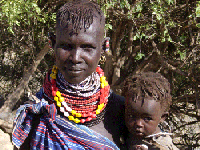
(162, 141)
(159, 141)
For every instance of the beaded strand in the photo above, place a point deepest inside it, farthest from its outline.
(86, 112)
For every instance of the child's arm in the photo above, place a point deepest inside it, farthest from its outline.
(141, 147)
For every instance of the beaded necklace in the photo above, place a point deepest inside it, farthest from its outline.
(82, 109)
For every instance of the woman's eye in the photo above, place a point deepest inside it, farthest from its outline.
(87, 46)
(147, 118)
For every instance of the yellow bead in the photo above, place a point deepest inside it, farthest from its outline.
(78, 115)
(101, 106)
(102, 79)
(53, 76)
(55, 67)
(55, 72)
(56, 98)
(70, 117)
(58, 93)
(102, 85)
(105, 83)
(76, 120)
(61, 99)
(58, 104)
(73, 112)
(98, 111)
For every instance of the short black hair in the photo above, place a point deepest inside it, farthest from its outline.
(145, 86)
(79, 14)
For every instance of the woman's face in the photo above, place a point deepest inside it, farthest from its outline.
(77, 55)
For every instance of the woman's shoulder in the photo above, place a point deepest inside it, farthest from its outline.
(116, 99)
(114, 117)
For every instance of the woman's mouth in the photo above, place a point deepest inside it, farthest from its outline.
(75, 70)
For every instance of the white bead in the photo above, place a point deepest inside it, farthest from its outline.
(66, 106)
(66, 114)
(62, 109)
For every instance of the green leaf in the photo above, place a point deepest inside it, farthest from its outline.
(134, 38)
(139, 56)
(198, 25)
(198, 11)
(108, 26)
(138, 7)
(158, 16)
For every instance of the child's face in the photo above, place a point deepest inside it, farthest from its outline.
(77, 55)
(142, 117)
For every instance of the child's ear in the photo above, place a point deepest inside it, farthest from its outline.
(164, 116)
(106, 44)
(52, 39)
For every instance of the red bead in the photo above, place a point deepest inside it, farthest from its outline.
(54, 88)
(98, 69)
(90, 114)
(53, 93)
(82, 120)
(88, 119)
(102, 91)
(93, 116)
(102, 100)
(53, 81)
(84, 115)
(106, 88)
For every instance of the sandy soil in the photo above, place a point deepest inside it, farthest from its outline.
(5, 142)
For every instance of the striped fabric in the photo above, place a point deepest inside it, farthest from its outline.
(54, 132)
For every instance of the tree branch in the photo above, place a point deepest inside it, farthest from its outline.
(15, 96)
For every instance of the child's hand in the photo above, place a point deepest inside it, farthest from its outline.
(141, 147)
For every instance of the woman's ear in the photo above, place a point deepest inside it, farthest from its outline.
(52, 39)
(164, 116)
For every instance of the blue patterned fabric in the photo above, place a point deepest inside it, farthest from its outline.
(54, 132)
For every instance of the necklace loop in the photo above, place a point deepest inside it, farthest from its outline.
(81, 109)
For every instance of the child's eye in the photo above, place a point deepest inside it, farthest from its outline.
(147, 118)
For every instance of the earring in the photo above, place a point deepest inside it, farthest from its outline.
(107, 44)
(50, 45)
(102, 59)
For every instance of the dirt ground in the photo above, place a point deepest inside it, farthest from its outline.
(5, 141)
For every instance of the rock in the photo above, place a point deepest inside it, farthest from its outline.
(5, 141)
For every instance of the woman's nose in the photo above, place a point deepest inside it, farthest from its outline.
(75, 55)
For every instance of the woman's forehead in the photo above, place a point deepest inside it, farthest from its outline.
(95, 31)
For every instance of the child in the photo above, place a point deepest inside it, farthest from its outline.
(147, 104)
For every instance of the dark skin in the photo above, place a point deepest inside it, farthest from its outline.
(142, 118)
(77, 56)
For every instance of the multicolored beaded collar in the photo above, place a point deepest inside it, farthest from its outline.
(81, 109)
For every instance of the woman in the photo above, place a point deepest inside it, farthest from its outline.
(76, 108)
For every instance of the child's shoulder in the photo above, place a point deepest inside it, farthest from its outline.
(163, 141)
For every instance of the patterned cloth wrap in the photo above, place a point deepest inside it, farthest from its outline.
(55, 132)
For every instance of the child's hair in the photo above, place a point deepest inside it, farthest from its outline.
(148, 85)
(79, 14)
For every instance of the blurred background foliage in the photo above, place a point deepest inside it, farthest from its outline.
(145, 35)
